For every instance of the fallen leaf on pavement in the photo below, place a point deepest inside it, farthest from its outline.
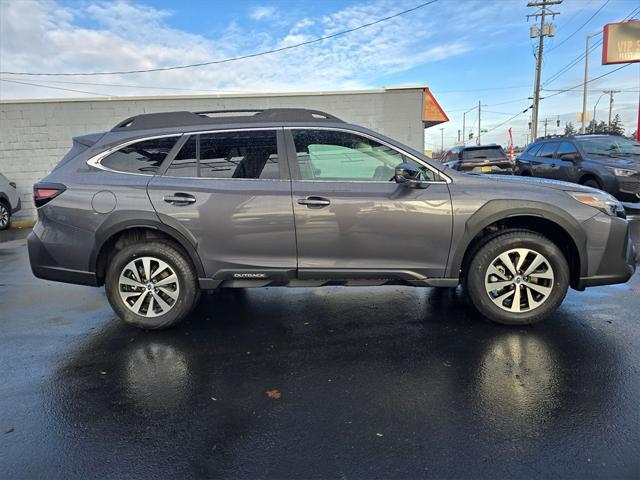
(379, 435)
(274, 394)
(10, 430)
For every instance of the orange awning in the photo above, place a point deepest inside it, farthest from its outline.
(432, 112)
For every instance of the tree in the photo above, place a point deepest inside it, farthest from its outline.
(569, 129)
(634, 135)
(616, 126)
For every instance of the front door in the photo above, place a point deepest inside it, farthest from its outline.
(231, 192)
(353, 220)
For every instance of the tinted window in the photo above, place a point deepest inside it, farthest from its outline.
(334, 155)
(141, 157)
(566, 148)
(534, 149)
(186, 163)
(249, 154)
(492, 152)
(548, 149)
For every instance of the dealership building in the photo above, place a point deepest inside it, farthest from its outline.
(36, 134)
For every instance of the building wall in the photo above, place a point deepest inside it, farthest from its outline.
(35, 135)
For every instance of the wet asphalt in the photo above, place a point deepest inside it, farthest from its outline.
(387, 382)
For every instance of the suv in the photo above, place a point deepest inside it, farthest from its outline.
(9, 201)
(606, 162)
(478, 159)
(166, 205)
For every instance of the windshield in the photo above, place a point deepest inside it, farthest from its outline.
(493, 152)
(609, 146)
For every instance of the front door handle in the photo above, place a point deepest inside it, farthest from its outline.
(314, 202)
(179, 199)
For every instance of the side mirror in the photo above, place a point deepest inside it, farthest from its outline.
(409, 175)
(571, 157)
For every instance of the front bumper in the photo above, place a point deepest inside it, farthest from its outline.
(619, 260)
(17, 207)
(44, 266)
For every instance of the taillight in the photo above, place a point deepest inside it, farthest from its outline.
(45, 192)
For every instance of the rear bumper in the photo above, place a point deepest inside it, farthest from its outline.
(618, 263)
(44, 266)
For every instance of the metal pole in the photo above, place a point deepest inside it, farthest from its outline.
(442, 140)
(545, 127)
(464, 119)
(611, 93)
(479, 129)
(583, 129)
(536, 91)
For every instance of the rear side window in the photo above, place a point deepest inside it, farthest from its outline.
(548, 149)
(141, 157)
(249, 154)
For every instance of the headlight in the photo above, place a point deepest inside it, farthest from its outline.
(601, 200)
(622, 172)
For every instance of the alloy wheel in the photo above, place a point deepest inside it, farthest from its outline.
(148, 286)
(519, 280)
(4, 216)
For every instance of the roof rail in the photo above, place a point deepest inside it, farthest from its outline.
(147, 121)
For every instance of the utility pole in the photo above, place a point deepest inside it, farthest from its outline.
(611, 93)
(545, 30)
(442, 140)
(545, 126)
(479, 129)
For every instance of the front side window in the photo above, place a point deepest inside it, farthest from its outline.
(566, 149)
(140, 157)
(242, 154)
(345, 156)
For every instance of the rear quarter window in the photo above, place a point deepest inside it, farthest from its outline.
(144, 157)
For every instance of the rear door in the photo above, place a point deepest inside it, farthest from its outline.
(567, 158)
(545, 163)
(230, 190)
(353, 220)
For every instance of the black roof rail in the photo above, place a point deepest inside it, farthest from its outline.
(147, 121)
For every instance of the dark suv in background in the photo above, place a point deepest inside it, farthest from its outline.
(166, 205)
(478, 159)
(606, 162)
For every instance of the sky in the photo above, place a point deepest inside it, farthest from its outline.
(465, 51)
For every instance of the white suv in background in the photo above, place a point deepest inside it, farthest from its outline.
(9, 201)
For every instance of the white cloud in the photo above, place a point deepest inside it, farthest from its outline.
(262, 12)
(46, 36)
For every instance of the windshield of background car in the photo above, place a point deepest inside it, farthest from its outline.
(609, 146)
(494, 152)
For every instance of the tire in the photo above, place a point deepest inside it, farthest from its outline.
(593, 183)
(5, 216)
(167, 263)
(549, 281)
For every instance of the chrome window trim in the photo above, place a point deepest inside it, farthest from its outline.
(96, 159)
(446, 180)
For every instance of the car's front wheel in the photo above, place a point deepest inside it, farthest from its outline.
(151, 285)
(518, 278)
(5, 216)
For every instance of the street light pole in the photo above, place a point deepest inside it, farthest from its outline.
(594, 112)
(583, 128)
(479, 128)
(611, 93)
(442, 140)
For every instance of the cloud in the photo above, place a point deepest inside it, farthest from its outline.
(48, 36)
(262, 12)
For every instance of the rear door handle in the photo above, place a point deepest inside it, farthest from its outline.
(314, 202)
(179, 199)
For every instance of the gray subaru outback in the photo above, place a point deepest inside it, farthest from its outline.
(166, 205)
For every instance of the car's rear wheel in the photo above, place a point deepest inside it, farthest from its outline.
(518, 278)
(151, 285)
(5, 216)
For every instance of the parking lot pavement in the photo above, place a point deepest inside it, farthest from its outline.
(372, 382)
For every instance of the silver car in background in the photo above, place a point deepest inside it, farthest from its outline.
(9, 201)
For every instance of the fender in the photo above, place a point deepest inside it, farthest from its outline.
(495, 210)
(126, 220)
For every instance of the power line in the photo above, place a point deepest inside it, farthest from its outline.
(55, 88)
(580, 27)
(589, 81)
(232, 59)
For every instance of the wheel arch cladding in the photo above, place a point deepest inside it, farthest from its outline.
(539, 217)
(108, 235)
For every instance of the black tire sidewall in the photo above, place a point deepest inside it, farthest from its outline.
(486, 254)
(166, 252)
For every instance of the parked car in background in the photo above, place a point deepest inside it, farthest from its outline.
(478, 159)
(165, 205)
(606, 162)
(9, 201)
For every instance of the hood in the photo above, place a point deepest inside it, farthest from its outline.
(631, 162)
(541, 182)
